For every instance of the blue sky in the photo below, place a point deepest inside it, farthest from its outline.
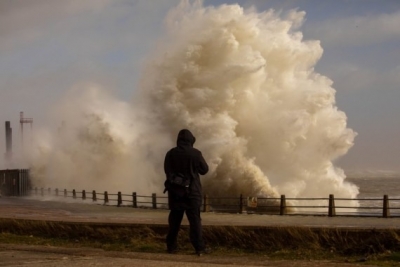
(48, 46)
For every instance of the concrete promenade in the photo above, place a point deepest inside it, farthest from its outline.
(86, 211)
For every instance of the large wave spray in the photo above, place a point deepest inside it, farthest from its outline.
(243, 82)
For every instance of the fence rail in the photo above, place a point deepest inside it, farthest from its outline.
(280, 206)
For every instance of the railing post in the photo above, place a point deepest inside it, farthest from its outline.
(154, 200)
(331, 209)
(386, 209)
(49, 191)
(206, 204)
(105, 197)
(57, 192)
(119, 199)
(94, 197)
(134, 200)
(41, 191)
(35, 190)
(65, 193)
(241, 209)
(83, 194)
(73, 193)
(283, 205)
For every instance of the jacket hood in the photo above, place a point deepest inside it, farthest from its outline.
(185, 138)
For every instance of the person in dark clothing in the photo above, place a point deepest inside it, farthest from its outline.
(186, 159)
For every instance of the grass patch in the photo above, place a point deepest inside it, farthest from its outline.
(386, 259)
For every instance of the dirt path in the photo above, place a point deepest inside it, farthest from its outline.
(45, 256)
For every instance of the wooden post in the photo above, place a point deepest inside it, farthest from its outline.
(65, 192)
(83, 194)
(386, 209)
(154, 200)
(241, 208)
(73, 193)
(331, 209)
(105, 197)
(134, 200)
(119, 199)
(94, 197)
(283, 205)
(57, 192)
(41, 191)
(49, 191)
(206, 204)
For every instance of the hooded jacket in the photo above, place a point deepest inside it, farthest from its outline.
(186, 159)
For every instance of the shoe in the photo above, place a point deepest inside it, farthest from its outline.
(203, 252)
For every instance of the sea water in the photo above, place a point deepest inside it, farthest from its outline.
(372, 191)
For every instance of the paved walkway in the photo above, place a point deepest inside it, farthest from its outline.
(79, 211)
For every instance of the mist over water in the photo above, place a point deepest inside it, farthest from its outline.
(242, 81)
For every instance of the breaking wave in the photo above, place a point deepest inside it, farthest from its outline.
(242, 81)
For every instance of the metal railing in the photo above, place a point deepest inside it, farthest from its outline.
(369, 207)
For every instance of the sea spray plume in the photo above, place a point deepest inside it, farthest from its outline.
(244, 83)
(95, 147)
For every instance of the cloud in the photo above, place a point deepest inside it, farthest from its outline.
(24, 22)
(350, 76)
(83, 29)
(356, 30)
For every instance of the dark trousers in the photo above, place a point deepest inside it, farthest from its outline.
(175, 219)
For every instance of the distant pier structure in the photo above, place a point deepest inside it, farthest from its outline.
(22, 121)
(8, 154)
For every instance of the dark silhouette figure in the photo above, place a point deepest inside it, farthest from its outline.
(188, 161)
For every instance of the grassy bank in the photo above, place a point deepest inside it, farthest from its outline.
(276, 242)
